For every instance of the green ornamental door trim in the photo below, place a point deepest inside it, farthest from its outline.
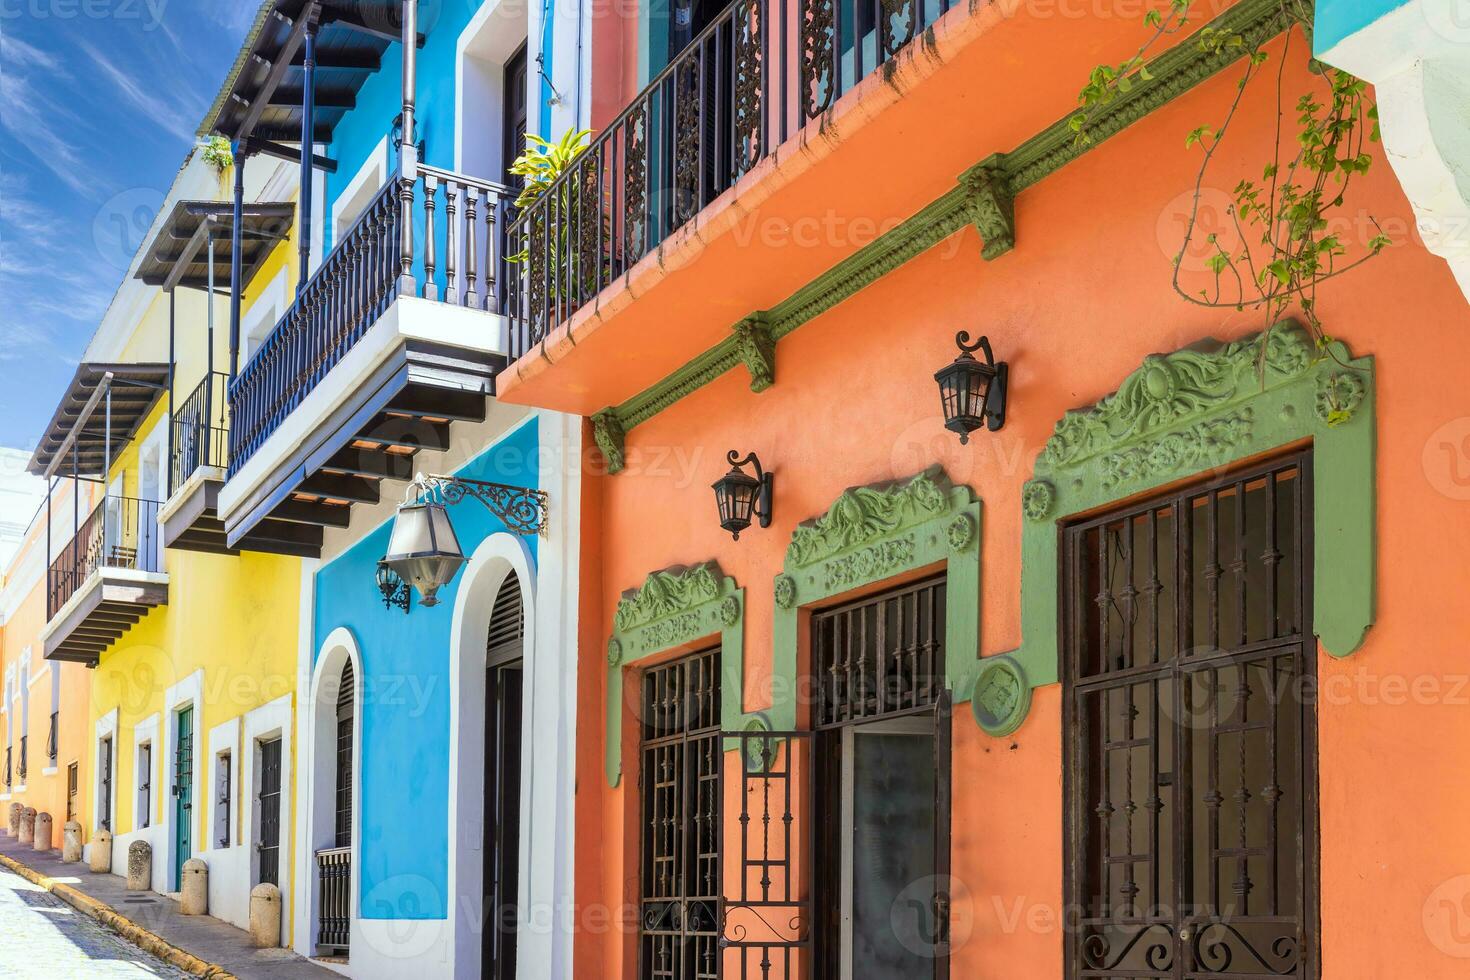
(1188, 413)
(675, 608)
(871, 534)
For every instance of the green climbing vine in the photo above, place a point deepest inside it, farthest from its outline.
(1283, 246)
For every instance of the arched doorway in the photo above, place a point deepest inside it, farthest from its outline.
(504, 649)
(332, 814)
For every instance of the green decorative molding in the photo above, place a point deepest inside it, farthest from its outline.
(871, 534)
(1188, 413)
(983, 197)
(757, 349)
(608, 432)
(675, 607)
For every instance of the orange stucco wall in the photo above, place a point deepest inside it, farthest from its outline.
(45, 789)
(1079, 303)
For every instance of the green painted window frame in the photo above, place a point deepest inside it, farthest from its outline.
(675, 609)
(870, 535)
(1190, 413)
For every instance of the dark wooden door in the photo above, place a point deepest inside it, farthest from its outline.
(1191, 757)
(504, 684)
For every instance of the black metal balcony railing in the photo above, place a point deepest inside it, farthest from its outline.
(356, 284)
(20, 765)
(122, 532)
(749, 80)
(334, 880)
(201, 434)
(51, 735)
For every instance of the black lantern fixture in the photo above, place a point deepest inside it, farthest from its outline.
(972, 392)
(395, 591)
(740, 495)
(423, 549)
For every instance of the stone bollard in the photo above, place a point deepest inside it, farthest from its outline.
(265, 915)
(194, 888)
(71, 842)
(43, 832)
(101, 856)
(28, 825)
(14, 825)
(140, 866)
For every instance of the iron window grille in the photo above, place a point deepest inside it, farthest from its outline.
(20, 767)
(145, 783)
(269, 847)
(1190, 755)
(104, 795)
(72, 775)
(680, 798)
(223, 802)
(879, 656)
(51, 736)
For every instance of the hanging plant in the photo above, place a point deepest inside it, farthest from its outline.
(1283, 248)
(217, 154)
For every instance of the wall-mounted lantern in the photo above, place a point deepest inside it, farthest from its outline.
(972, 392)
(394, 590)
(423, 549)
(740, 495)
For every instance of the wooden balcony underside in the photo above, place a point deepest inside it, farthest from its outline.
(410, 403)
(100, 614)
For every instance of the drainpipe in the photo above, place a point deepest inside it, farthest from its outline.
(169, 434)
(408, 150)
(236, 275)
(308, 148)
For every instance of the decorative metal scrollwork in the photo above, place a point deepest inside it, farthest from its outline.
(749, 109)
(687, 136)
(896, 22)
(818, 61)
(635, 181)
(522, 509)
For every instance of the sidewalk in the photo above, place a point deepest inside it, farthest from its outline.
(198, 944)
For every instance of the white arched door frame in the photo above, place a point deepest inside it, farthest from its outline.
(498, 556)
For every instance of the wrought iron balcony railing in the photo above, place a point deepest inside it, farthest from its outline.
(51, 735)
(201, 432)
(356, 284)
(734, 93)
(122, 532)
(334, 879)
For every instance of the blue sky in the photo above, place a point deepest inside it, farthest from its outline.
(99, 101)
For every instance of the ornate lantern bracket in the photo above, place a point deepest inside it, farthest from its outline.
(523, 510)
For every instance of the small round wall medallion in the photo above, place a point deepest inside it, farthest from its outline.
(1037, 498)
(1002, 696)
(961, 532)
(614, 652)
(730, 611)
(785, 591)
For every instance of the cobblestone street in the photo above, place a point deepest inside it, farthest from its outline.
(43, 938)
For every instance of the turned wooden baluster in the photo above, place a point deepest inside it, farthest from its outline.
(431, 188)
(492, 205)
(471, 233)
(451, 240)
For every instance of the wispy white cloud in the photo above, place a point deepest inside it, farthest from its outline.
(151, 104)
(34, 118)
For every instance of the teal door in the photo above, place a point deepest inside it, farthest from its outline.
(183, 793)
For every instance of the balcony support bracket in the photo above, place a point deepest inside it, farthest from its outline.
(992, 206)
(608, 432)
(757, 349)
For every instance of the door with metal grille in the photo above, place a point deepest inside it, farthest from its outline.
(882, 799)
(183, 792)
(268, 847)
(680, 793)
(1191, 755)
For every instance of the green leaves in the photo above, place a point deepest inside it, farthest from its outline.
(543, 162)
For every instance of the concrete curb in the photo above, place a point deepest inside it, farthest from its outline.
(120, 924)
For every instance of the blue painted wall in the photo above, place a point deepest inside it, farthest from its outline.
(404, 783)
(1338, 19)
